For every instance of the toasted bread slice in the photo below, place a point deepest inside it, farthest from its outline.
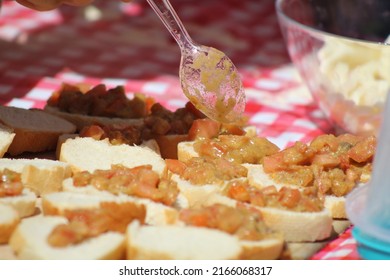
(195, 195)
(194, 243)
(24, 204)
(90, 198)
(152, 144)
(42, 176)
(30, 241)
(257, 177)
(35, 130)
(87, 154)
(295, 226)
(9, 219)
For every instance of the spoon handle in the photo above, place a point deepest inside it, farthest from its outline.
(168, 16)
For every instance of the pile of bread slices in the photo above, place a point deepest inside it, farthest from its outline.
(161, 184)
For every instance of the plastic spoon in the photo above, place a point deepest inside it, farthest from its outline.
(208, 77)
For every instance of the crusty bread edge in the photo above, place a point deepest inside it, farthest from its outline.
(156, 213)
(20, 245)
(7, 227)
(24, 204)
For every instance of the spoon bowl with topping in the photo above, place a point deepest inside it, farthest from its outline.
(208, 77)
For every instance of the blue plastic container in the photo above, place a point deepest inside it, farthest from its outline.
(371, 248)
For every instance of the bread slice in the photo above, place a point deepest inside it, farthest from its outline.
(24, 204)
(29, 241)
(90, 198)
(152, 144)
(87, 154)
(336, 206)
(179, 243)
(61, 140)
(81, 121)
(35, 130)
(42, 176)
(59, 202)
(195, 195)
(267, 249)
(6, 137)
(9, 219)
(258, 178)
(295, 226)
(194, 243)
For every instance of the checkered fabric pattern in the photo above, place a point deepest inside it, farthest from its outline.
(125, 44)
(343, 248)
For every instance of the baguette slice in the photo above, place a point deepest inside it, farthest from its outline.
(29, 241)
(179, 243)
(295, 226)
(9, 219)
(81, 121)
(42, 176)
(194, 243)
(258, 178)
(152, 144)
(58, 203)
(87, 154)
(35, 130)
(6, 137)
(90, 198)
(24, 204)
(193, 194)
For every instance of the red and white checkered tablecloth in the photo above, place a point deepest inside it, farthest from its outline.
(125, 44)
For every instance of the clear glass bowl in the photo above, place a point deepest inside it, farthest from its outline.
(340, 50)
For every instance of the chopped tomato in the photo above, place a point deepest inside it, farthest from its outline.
(363, 150)
(326, 160)
(195, 218)
(204, 128)
(273, 163)
(10, 183)
(94, 131)
(231, 129)
(175, 166)
(239, 192)
(289, 197)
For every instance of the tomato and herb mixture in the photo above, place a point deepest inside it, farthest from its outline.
(245, 223)
(10, 183)
(88, 223)
(140, 181)
(333, 164)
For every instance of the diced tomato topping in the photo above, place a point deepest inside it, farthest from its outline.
(175, 166)
(204, 128)
(94, 131)
(273, 163)
(239, 192)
